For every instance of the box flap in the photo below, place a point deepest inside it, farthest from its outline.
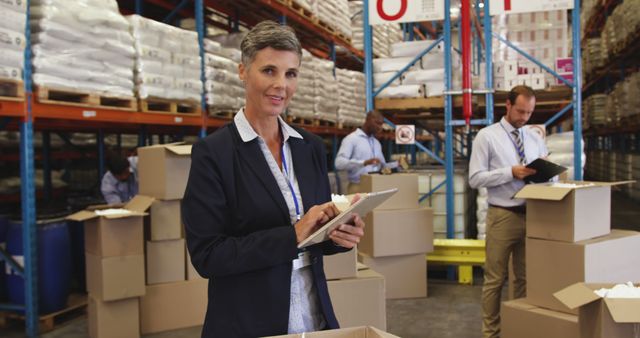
(373, 332)
(132, 214)
(180, 149)
(82, 216)
(624, 310)
(543, 192)
(139, 203)
(576, 295)
(105, 206)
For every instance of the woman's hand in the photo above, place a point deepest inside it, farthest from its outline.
(317, 216)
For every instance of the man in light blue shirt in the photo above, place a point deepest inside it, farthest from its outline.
(120, 183)
(498, 162)
(360, 152)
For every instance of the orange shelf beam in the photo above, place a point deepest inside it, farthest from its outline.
(11, 108)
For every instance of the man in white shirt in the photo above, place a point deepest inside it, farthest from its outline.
(498, 162)
(360, 152)
(120, 183)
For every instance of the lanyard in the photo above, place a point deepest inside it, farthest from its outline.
(522, 154)
(293, 193)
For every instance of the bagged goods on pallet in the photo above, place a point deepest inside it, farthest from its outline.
(225, 90)
(560, 147)
(403, 91)
(12, 40)
(167, 61)
(84, 46)
(351, 111)
(302, 103)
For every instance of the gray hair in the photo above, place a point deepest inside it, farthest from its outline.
(269, 34)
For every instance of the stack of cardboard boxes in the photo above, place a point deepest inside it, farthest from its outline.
(398, 236)
(176, 296)
(114, 254)
(569, 241)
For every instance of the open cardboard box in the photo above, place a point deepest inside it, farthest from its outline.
(351, 332)
(114, 235)
(163, 170)
(602, 318)
(568, 214)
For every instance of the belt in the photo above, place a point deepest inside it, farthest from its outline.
(518, 209)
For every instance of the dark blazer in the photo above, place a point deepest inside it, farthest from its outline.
(240, 236)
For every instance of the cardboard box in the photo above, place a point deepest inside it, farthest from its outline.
(165, 261)
(553, 265)
(504, 84)
(113, 319)
(359, 301)
(564, 65)
(566, 76)
(407, 185)
(173, 306)
(602, 318)
(163, 170)
(538, 81)
(114, 235)
(398, 232)
(568, 214)
(342, 265)
(114, 278)
(405, 276)
(505, 69)
(520, 319)
(351, 332)
(166, 221)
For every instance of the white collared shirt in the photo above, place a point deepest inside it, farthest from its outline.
(356, 148)
(304, 306)
(493, 154)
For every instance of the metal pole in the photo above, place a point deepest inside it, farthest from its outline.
(101, 157)
(368, 56)
(28, 195)
(139, 4)
(577, 92)
(448, 130)
(199, 9)
(46, 164)
(465, 28)
(488, 62)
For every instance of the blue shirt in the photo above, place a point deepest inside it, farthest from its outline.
(304, 306)
(115, 191)
(493, 154)
(356, 148)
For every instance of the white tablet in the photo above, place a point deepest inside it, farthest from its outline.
(367, 202)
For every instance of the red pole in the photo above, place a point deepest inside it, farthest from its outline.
(465, 13)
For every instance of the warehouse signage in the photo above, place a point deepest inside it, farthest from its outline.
(387, 11)
(497, 7)
(405, 134)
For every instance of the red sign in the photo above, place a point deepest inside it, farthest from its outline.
(394, 17)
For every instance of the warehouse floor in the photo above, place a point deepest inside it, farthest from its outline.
(451, 310)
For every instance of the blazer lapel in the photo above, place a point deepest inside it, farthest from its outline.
(303, 164)
(253, 157)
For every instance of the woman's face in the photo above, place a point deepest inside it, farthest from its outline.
(270, 81)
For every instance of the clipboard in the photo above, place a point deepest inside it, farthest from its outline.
(367, 202)
(545, 170)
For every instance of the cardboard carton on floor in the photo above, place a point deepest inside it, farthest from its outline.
(165, 220)
(602, 318)
(359, 301)
(114, 278)
(172, 306)
(342, 265)
(163, 170)
(520, 319)
(165, 261)
(553, 265)
(351, 332)
(405, 276)
(407, 185)
(569, 213)
(114, 234)
(398, 232)
(113, 319)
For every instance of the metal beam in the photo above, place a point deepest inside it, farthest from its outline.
(558, 115)
(175, 11)
(577, 92)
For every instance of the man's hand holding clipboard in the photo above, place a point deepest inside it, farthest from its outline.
(544, 171)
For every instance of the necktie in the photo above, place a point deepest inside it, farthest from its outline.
(519, 146)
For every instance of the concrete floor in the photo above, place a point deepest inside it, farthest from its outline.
(451, 310)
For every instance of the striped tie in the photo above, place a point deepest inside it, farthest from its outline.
(519, 146)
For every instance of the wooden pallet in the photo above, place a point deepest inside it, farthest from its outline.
(301, 121)
(165, 106)
(294, 6)
(76, 307)
(224, 114)
(84, 99)
(11, 90)
(343, 37)
(323, 123)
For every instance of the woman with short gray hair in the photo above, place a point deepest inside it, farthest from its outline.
(258, 187)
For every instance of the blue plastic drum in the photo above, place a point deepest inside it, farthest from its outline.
(4, 227)
(54, 264)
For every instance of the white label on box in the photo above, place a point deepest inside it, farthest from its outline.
(387, 11)
(498, 7)
(89, 113)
